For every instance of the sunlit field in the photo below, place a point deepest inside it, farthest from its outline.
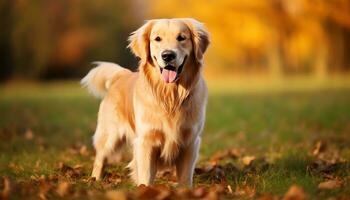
(261, 138)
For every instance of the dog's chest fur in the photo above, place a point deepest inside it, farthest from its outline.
(167, 132)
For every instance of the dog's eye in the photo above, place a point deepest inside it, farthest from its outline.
(180, 38)
(158, 39)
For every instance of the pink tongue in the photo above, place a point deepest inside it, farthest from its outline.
(168, 75)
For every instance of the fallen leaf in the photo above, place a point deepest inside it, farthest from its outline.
(146, 192)
(164, 192)
(250, 191)
(84, 150)
(71, 172)
(29, 135)
(229, 189)
(245, 191)
(37, 164)
(247, 160)
(93, 193)
(44, 187)
(205, 169)
(116, 195)
(15, 167)
(112, 178)
(257, 165)
(227, 153)
(331, 184)
(199, 192)
(212, 195)
(63, 189)
(183, 193)
(319, 148)
(268, 197)
(78, 167)
(7, 188)
(168, 174)
(295, 193)
(218, 188)
(239, 191)
(322, 166)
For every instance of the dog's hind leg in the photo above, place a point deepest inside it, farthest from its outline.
(100, 139)
(106, 146)
(107, 138)
(98, 165)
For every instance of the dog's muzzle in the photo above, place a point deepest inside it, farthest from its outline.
(170, 74)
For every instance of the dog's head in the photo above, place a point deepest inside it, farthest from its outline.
(169, 44)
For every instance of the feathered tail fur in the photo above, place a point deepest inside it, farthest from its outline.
(98, 80)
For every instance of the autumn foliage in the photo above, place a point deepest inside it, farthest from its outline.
(57, 39)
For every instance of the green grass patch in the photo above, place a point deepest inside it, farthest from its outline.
(281, 126)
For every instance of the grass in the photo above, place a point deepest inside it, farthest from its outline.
(280, 126)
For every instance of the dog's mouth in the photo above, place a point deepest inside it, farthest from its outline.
(170, 74)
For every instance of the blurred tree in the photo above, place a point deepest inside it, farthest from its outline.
(58, 39)
(276, 36)
(5, 44)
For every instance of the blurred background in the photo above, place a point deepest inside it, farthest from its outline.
(50, 40)
(278, 74)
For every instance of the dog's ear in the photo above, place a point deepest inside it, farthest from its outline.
(139, 41)
(200, 37)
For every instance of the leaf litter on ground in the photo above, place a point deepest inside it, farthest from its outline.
(212, 176)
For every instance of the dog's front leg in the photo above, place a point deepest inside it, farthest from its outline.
(186, 163)
(145, 161)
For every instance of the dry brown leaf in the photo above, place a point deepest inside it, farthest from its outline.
(78, 167)
(5, 193)
(239, 191)
(246, 191)
(229, 189)
(199, 192)
(227, 153)
(267, 197)
(331, 184)
(250, 191)
(71, 172)
(183, 193)
(247, 160)
(146, 192)
(112, 178)
(84, 150)
(116, 195)
(204, 169)
(164, 192)
(37, 164)
(295, 193)
(63, 189)
(29, 135)
(44, 187)
(168, 174)
(15, 167)
(323, 167)
(215, 172)
(319, 147)
(212, 195)
(218, 188)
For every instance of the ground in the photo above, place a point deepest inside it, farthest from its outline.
(260, 141)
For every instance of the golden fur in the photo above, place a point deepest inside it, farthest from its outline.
(161, 121)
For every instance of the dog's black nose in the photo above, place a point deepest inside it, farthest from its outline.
(168, 55)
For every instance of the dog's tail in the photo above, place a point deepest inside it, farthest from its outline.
(98, 80)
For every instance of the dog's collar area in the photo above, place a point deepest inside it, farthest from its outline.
(172, 68)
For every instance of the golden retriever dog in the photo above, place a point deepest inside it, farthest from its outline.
(159, 110)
